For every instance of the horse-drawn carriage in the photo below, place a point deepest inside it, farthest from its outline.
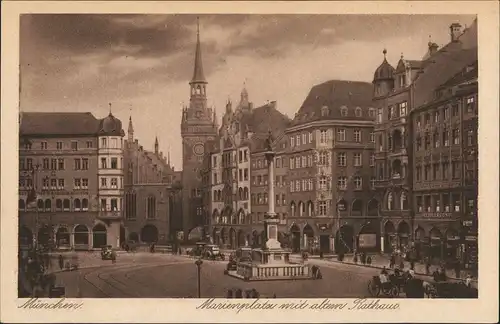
(450, 290)
(389, 288)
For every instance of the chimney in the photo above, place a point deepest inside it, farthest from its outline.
(455, 31)
(433, 47)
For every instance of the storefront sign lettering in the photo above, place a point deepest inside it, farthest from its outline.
(367, 240)
(436, 215)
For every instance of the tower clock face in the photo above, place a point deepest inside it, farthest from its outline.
(198, 149)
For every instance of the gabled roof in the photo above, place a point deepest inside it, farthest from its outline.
(444, 64)
(58, 123)
(336, 94)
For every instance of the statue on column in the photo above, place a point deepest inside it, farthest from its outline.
(269, 141)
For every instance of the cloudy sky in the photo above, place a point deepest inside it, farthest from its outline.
(142, 63)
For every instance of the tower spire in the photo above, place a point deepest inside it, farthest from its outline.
(130, 130)
(156, 145)
(198, 75)
(168, 156)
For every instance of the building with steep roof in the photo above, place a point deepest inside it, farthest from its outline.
(231, 171)
(152, 211)
(73, 162)
(330, 161)
(422, 168)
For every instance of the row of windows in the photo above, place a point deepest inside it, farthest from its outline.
(113, 143)
(325, 111)
(113, 163)
(438, 203)
(324, 159)
(393, 111)
(442, 114)
(44, 145)
(110, 183)
(325, 184)
(227, 158)
(307, 138)
(61, 205)
(261, 180)
(440, 171)
(357, 136)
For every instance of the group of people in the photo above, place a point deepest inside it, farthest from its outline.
(239, 293)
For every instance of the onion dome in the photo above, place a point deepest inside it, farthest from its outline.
(111, 126)
(385, 71)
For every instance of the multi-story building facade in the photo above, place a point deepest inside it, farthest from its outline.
(330, 162)
(234, 164)
(424, 141)
(150, 193)
(198, 126)
(60, 163)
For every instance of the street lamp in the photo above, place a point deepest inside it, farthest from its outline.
(198, 263)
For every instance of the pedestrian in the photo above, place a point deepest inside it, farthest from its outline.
(468, 280)
(238, 293)
(61, 261)
(412, 264)
(355, 258)
(427, 265)
(457, 269)
(229, 293)
(248, 293)
(401, 264)
(255, 293)
(392, 262)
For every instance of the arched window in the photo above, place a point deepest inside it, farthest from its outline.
(245, 193)
(151, 207)
(22, 205)
(403, 201)
(240, 193)
(241, 219)
(48, 205)
(310, 208)
(292, 209)
(59, 205)
(130, 205)
(389, 201)
(40, 205)
(357, 206)
(215, 195)
(85, 204)
(358, 112)
(66, 204)
(77, 205)
(301, 209)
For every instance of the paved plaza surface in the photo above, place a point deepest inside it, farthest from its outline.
(165, 275)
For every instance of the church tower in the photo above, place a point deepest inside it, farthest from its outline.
(197, 127)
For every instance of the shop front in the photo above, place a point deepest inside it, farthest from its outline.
(420, 243)
(324, 238)
(367, 239)
(390, 238)
(452, 250)
(403, 235)
(435, 245)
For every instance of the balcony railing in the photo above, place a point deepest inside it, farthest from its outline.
(109, 215)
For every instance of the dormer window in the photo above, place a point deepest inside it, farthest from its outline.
(343, 111)
(371, 112)
(402, 81)
(324, 111)
(358, 112)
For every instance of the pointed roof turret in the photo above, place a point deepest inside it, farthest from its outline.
(198, 75)
(156, 145)
(130, 129)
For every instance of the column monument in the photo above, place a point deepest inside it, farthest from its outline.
(271, 262)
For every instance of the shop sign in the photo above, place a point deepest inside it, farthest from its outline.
(467, 223)
(471, 238)
(452, 238)
(341, 206)
(367, 240)
(436, 215)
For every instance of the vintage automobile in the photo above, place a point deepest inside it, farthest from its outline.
(212, 252)
(197, 251)
(243, 254)
(107, 252)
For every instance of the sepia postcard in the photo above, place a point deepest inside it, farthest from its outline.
(249, 161)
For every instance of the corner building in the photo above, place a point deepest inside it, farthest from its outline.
(73, 162)
(426, 153)
(237, 178)
(330, 162)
